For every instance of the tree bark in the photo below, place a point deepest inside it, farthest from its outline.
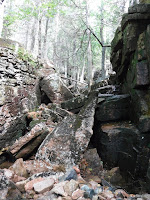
(45, 39)
(27, 36)
(40, 39)
(89, 61)
(82, 71)
(33, 34)
(89, 50)
(102, 40)
(1, 18)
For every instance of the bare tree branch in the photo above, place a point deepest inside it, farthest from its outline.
(98, 38)
(1, 1)
(88, 28)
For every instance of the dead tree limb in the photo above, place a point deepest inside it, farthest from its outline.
(97, 38)
(92, 32)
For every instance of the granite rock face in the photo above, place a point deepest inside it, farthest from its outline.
(111, 108)
(117, 143)
(51, 89)
(130, 57)
(22, 89)
(17, 82)
(131, 61)
(65, 145)
(8, 189)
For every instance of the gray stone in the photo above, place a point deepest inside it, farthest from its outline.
(148, 178)
(146, 196)
(54, 88)
(8, 189)
(70, 187)
(59, 189)
(144, 8)
(44, 185)
(94, 162)
(75, 104)
(75, 132)
(142, 74)
(16, 87)
(23, 147)
(114, 108)
(116, 144)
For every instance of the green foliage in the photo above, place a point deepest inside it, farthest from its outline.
(26, 57)
(66, 39)
(9, 19)
(33, 9)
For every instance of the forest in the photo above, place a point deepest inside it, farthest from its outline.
(73, 35)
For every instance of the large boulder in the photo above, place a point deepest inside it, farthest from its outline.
(116, 142)
(65, 145)
(24, 147)
(111, 108)
(75, 104)
(51, 89)
(8, 189)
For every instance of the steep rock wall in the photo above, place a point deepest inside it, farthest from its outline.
(130, 59)
(17, 83)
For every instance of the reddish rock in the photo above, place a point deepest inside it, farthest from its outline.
(108, 194)
(44, 186)
(92, 161)
(67, 198)
(35, 166)
(29, 185)
(19, 168)
(23, 147)
(93, 184)
(21, 185)
(17, 83)
(76, 169)
(8, 189)
(59, 189)
(125, 195)
(70, 187)
(77, 194)
(16, 178)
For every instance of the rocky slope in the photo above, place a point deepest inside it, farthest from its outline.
(63, 147)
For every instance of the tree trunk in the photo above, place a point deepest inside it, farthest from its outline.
(27, 36)
(74, 61)
(123, 6)
(33, 34)
(1, 18)
(45, 39)
(82, 71)
(102, 40)
(57, 28)
(89, 50)
(40, 39)
(89, 61)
